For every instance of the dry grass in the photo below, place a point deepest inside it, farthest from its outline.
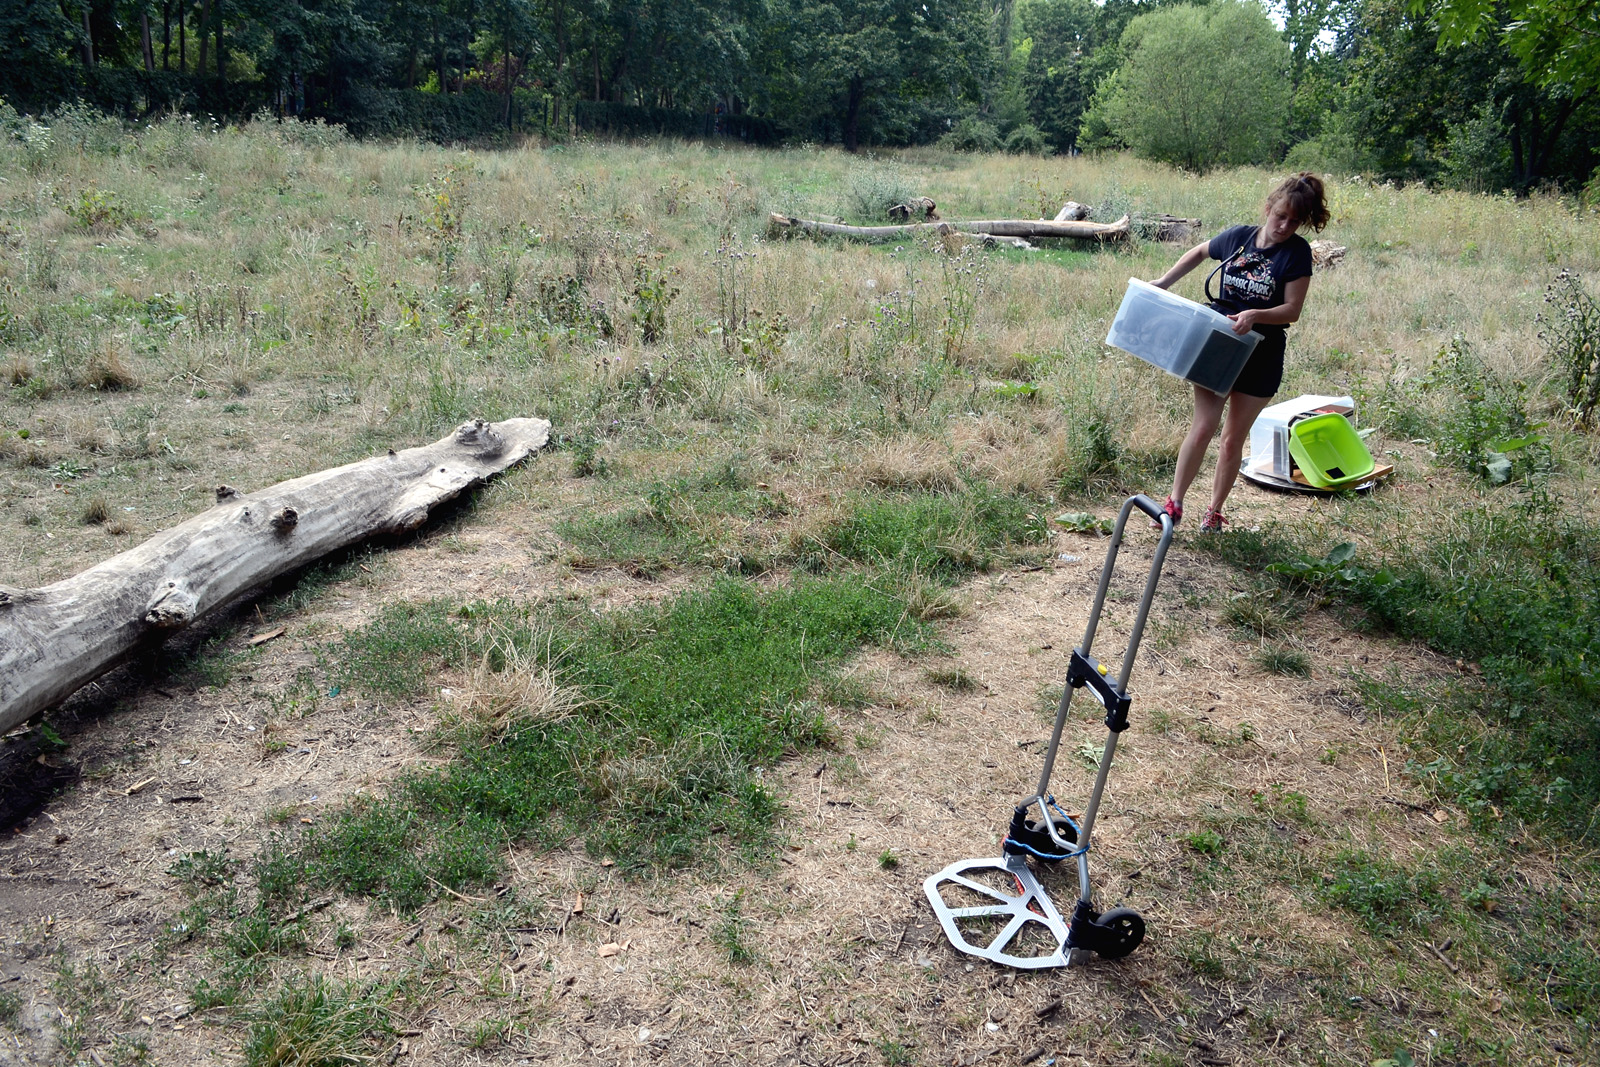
(290, 304)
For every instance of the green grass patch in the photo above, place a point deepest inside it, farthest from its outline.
(682, 521)
(319, 1021)
(937, 536)
(690, 702)
(1387, 898)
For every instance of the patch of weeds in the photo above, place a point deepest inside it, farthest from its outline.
(1387, 898)
(1570, 330)
(954, 678)
(99, 210)
(942, 537)
(205, 868)
(1484, 427)
(1200, 953)
(1280, 803)
(1205, 842)
(895, 1054)
(10, 1009)
(586, 459)
(319, 1022)
(1263, 613)
(1277, 658)
(83, 997)
(732, 932)
(258, 932)
(96, 512)
(689, 701)
(887, 860)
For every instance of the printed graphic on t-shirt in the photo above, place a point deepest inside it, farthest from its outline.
(1248, 277)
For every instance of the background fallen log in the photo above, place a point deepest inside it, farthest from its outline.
(1033, 228)
(1072, 211)
(55, 639)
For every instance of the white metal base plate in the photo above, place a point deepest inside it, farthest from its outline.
(1013, 911)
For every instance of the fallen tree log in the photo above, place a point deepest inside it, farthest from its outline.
(55, 639)
(1093, 231)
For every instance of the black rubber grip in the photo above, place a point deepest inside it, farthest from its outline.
(1148, 506)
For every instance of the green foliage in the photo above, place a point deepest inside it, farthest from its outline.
(319, 1022)
(871, 189)
(1277, 658)
(204, 868)
(1205, 842)
(1200, 87)
(1477, 156)
(99, 210)
(732, 932)
(1571, 335)
(972, 135)
(1484, 427)
(1387, 898)
(1028, 140)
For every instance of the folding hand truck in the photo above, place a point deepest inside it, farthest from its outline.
(1054, 837)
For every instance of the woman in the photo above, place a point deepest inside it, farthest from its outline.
(1266, 271)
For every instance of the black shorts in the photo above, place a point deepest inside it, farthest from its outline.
(1263, 371)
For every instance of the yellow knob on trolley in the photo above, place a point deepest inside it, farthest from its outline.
(1101, 667)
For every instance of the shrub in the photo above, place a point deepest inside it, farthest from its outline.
(1571, 336)
(871, 190)
(1028, 140)
(972, 135)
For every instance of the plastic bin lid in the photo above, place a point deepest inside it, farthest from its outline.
(1218, 320)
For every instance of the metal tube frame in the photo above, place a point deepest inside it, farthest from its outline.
(1080, 849)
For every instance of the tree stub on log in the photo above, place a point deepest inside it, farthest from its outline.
(1031, 228)
(57, 638)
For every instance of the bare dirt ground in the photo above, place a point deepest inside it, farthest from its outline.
(845, 962)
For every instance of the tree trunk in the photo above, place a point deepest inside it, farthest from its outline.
(55, 639)
(144, 41)
(166, 34)
(222, 59)
(88, 40)
(200, 31)
(852, 111)
(1098, 231)
(183, 41)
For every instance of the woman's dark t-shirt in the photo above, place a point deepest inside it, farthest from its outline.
(1253, 278)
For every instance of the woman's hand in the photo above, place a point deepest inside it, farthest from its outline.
(1244, 320)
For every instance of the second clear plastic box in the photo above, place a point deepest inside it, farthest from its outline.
(1180, 336)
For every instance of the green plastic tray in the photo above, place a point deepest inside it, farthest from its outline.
(1329, 452)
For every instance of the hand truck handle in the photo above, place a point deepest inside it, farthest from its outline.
(1148, 506)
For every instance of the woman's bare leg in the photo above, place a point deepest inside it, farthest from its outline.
(1207, 417)
(1242, 412)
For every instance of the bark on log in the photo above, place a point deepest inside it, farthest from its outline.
(1094, 231)
(57, 638)
(1072, 211)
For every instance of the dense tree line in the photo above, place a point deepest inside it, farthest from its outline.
(1483, 93)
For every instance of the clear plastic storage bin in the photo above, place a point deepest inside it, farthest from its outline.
(1181, 337)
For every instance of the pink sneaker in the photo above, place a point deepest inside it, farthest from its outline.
(1172, 508)
(1213, 522)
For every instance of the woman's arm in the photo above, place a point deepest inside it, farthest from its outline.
(1185, 264)
(1294, 298)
